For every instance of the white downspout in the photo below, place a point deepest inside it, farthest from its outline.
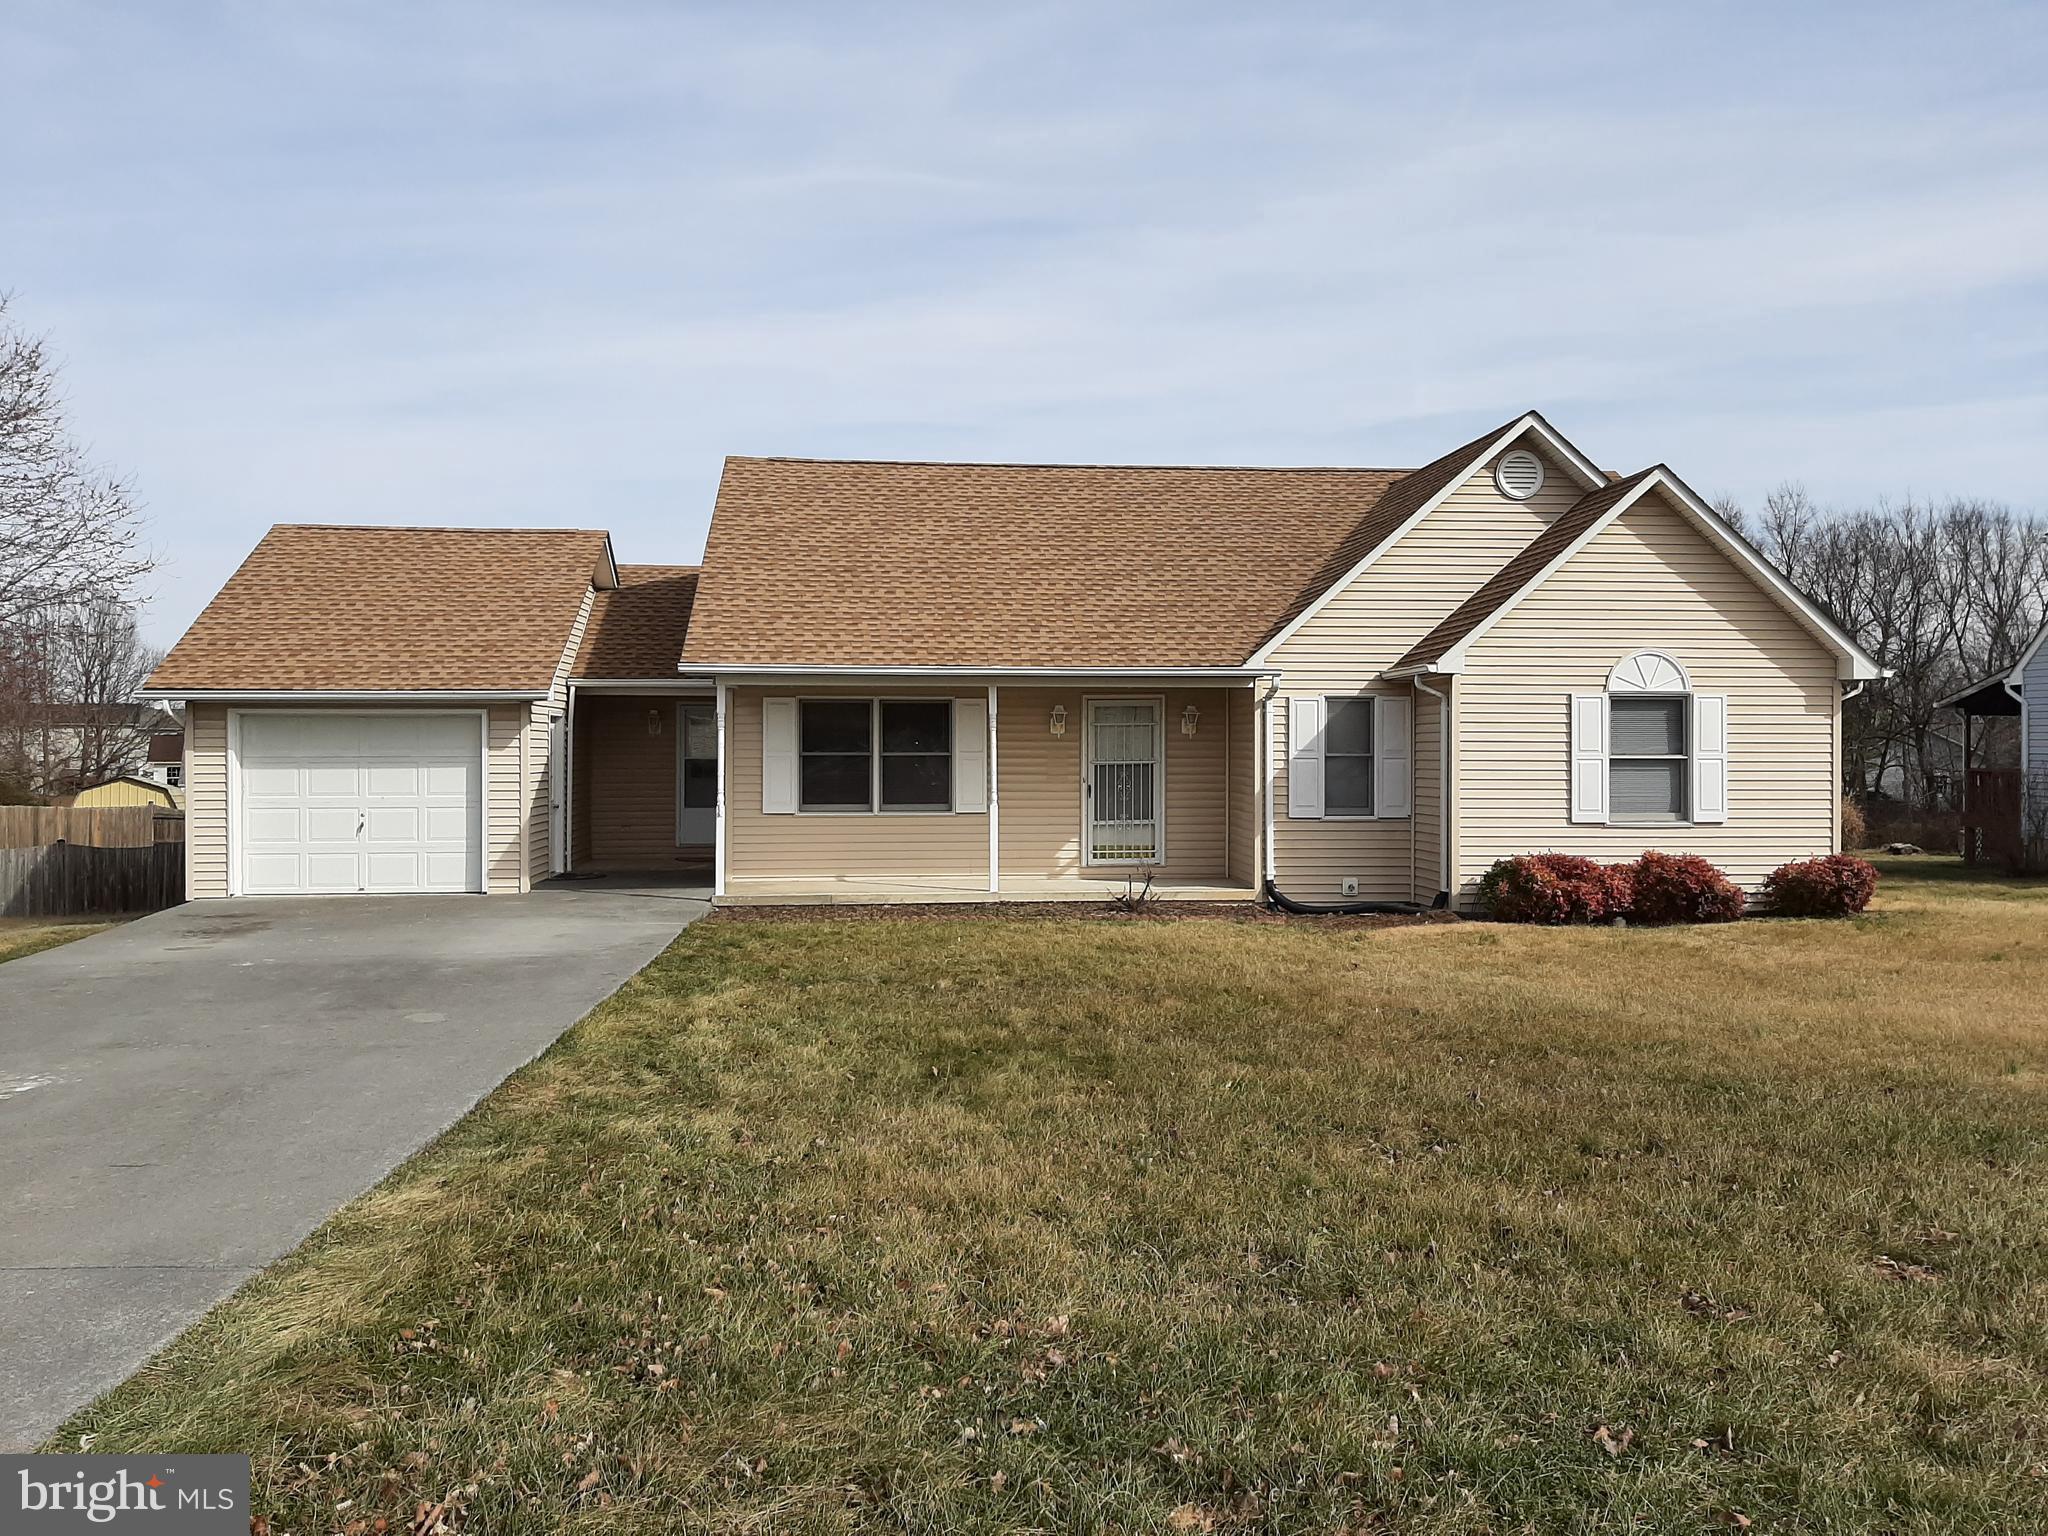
(1266, 771)
(994, 824)
(1443, 790)
(718, 799)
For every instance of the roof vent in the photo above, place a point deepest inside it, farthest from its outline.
(1519, 474)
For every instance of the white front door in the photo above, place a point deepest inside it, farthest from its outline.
(696, 775)
(1124, 793)
(337, 803)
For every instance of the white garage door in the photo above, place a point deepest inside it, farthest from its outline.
(336, 804)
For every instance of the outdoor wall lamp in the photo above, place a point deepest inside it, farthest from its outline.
(654, 722)
(1189, 718)
(1059, 719)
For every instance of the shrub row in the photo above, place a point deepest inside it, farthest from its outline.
(1664, 888)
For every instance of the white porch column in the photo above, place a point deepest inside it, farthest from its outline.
(718, 799)
(995, 853)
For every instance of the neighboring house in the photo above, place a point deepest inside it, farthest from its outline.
(56, 744)
(894, 680)
(164, 758)
(126, 790)
(2006, 808)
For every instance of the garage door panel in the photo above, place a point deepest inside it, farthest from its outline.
(360, 803)
(447, 824)
(392, 778)
(274, 824)
(264, 779)
(331, 873)
(267, 874)
(329, 823)
(333, 780)
(393, 824)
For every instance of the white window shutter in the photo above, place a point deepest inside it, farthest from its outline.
(1710, 757)
(778, 757)
(1392, 777)
(1305, 758)
(1589, 758)
(970, 754)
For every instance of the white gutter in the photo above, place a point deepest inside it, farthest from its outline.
(642, 684)
(334, 695)
(741, 674)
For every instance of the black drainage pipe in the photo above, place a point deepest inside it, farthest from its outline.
(1275, 897)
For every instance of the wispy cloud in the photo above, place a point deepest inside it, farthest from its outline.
(526, 263)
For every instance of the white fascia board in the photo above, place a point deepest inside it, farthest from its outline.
(1454, 659)
(611, 566)
(337, 695)
(746, 674)
(702, 685)
(1856, 663)
(1853, 662)
(2018, 675)
(1587, 472)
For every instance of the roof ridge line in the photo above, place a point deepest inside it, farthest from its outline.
(1260, 469)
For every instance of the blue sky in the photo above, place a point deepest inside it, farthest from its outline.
(511, 263)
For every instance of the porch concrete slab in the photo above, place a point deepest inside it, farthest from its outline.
(869, 892)
(184, 1098)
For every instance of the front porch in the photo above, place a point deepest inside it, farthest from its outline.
(857, 891)
(1993, 797)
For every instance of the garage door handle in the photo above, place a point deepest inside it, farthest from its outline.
(362, 820)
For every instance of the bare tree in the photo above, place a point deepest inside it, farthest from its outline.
(69, 532)
(102, 665)
(1940, 595)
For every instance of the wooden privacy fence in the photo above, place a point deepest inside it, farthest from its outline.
(69, 863)
(115, 826)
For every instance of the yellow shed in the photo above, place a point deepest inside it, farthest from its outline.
(126, 790)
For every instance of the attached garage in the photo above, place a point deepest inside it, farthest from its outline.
(340, 803)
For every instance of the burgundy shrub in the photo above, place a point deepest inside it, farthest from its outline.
(1835, 886)
(1682, 888)
(1553, 888)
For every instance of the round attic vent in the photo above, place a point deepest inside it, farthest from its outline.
(1519, 474)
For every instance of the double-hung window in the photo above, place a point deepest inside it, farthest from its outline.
(1347, 758)
(869, 754)
(1647, 759)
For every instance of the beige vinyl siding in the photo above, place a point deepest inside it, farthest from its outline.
(1429, 823)
(540, 764)
(206, 801)
(825, 846)
(506, 795)
(1040, 781)
(1245, 811)
(1649, 581)
(1362, 631)
(629, 777)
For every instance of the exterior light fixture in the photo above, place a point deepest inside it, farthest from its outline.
(1059, 719)
(1189, 718)
(654, 722)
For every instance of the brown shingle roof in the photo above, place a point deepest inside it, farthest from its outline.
(329, 608)
(637, 630)
(1402, 501)
(860, 563)
(1511, 578)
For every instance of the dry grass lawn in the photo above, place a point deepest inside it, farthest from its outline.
(980, 1227)
(27, 935)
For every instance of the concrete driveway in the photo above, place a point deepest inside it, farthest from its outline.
(184, 1098)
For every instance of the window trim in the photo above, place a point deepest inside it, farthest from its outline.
(1684, 759)
(874, 807)
(1370, 700)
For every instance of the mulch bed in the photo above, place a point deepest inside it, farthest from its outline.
(1063, 911)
